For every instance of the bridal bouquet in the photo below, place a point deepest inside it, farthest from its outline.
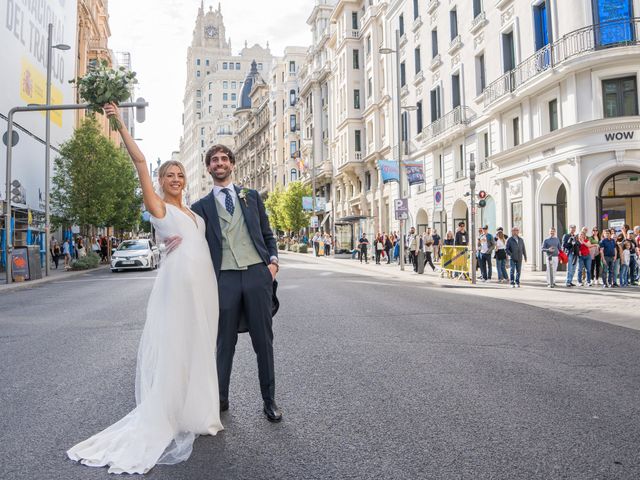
(102, 84)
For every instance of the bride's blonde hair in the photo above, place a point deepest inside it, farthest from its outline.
(162, 172)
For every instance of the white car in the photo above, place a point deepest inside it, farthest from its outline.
(134, 254)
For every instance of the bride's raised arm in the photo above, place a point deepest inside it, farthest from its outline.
(154, 204)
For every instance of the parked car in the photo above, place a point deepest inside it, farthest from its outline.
(135, 254)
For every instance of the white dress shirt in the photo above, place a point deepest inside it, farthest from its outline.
(221, 196)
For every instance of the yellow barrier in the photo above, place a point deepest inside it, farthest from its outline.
(455, 259)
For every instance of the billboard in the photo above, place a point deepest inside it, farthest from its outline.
(23, 36)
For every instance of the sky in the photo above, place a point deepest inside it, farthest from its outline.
(157, 33)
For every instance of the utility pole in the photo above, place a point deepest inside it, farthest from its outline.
(399, 115)
(472, 217)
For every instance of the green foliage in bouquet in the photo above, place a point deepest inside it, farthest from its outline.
(102, 84)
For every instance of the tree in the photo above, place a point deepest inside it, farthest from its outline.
(294, 218)
(273, 204)
(94, 183)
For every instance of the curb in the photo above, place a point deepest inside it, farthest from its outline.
(34, 283)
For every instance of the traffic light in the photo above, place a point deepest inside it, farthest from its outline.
(18, 193)
(482, 202)
(140, 110)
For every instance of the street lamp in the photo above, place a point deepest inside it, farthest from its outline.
(399, 108)
(47, 141)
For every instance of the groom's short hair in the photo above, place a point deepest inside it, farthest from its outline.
(219, 148)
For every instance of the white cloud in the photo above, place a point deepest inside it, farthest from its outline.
(157, 33)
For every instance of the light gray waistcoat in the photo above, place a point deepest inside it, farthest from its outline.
(238, 250)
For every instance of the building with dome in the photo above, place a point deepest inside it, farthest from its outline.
(215, 79)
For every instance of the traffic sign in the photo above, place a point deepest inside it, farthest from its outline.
(401, 208)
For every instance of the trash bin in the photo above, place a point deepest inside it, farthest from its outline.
(35, 268)
(25, 263)
(420, 262)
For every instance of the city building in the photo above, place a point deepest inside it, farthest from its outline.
(252, 135)
(215, 79)
(314, 113)
(123, 59)
(542, 95)
(288, 164)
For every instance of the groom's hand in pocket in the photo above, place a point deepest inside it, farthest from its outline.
(274, 270)
(171, 243)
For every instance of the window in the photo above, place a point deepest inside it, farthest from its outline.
(477, 8)
(485, 143)
(453, 23)
(292, 123)
(416, 12)
(455, 90)
(201, 143)
(461, 162)
(416, 55)
(201, 130)
(198, 104)
(515, 123)
(225, 97)
(198, 116)
(508, 52)
(225, 84)
(405, 127)
(403, 74)
(292, 97)
(354, 20)
(293, 148)
(233, 97)
(209, 109)
(553, 115)
(401, 24)
(210, 97)
(260, 66)
(207, 63)
(224, 65)
(367, 180)
(210, 84)
(434, 42)
(357, 140)
(516, 216)
(294, 175)
(436, 111)
(541, 25)
(610, 31)
(369, 87)
(481, 75)
(356, 59)
(620, 96)
(356, 99)
(198, 93)
(368, 42)
(197, 61)
(437, 169)
(292, 67)
(419, 116)
(238, 66)
(197, 73)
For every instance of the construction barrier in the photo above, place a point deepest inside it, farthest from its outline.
(455, 259)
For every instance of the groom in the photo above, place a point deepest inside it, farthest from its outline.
(245, 259)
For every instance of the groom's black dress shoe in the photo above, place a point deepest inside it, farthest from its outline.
(272, 412)
(224, 405)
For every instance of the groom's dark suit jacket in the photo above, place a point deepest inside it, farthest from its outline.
(255, 216)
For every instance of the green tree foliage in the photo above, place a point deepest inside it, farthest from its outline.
(94, 183)
(294, 218)
(273, 204)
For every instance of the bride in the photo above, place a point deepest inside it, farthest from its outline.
(176, 378)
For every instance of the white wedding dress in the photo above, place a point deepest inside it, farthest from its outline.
(176, 379)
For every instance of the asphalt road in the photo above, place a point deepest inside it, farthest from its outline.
(395, 381)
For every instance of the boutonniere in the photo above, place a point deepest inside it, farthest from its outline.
(243, 196)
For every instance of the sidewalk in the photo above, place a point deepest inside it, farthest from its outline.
(54, 275)
(615, 306)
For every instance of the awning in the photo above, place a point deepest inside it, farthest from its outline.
(352, 219)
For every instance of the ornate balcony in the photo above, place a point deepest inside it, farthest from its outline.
(478, 22)
(432, 5)
(573, 44)
(459, 116)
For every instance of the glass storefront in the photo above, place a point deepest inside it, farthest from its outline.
(619, 201)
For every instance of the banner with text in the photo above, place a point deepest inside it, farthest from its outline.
(388, 170)
(415, 172)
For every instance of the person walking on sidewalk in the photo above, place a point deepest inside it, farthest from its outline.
(584, 259)
(551, 247)
(388, 246)
(501, 257)
(462, 239)
(55, 252)
(436, 246)
(625, 259)
(427, 247)
(517, 254)
(363, 243)
(596, 259)
(66, 251)
(379, 246)
(609, 254)
(572, 249)
(486, 245)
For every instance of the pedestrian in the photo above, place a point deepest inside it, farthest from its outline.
(584, 259)
(625, 259)
(316, 243)
(517, 254)
(501, 256)
(436, 245)
(551, 248)
(462, 239)
(55, 253)
(396, 248)
(486, 246)
(572, 249)
(66, 251)
(596, 260)
(82, 252)
(633, 262)
(617, 265)
(104, 246)
(609, 254)
(95, 246)
(388, 246)
(363, 243)
(427, 248)
(411, 246)
(379, 247)
(328, 243)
